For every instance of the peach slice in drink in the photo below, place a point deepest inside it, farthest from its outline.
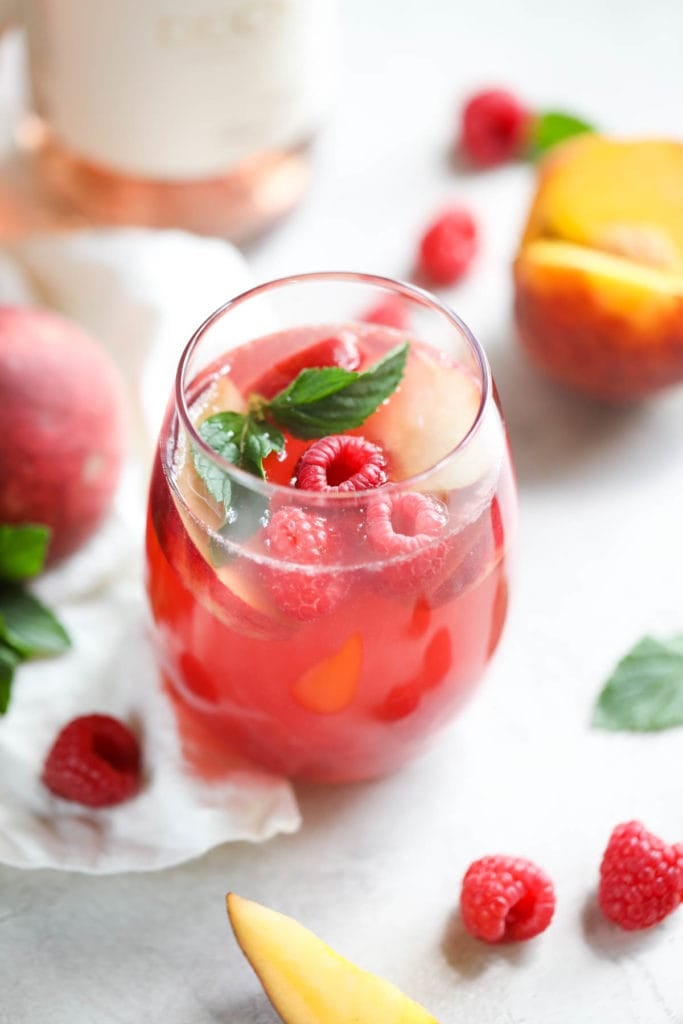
(430, 413)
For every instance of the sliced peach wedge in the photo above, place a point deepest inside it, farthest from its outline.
(415, 440)
(599, 273)
(306, 981)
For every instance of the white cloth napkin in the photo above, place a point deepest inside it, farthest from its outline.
(141, 294)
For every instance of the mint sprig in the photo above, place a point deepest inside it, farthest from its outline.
(27, 628)
(319, 401)
(241, 439)
(331, 399)
(644, 693)
(555, 126)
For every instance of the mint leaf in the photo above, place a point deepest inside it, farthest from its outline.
(27, 626)
(242, 440)
(555, 126)
(9, 660)
(259, 439)
(22, 551)
(330, 400)
(314, 384)
(645, 691)
(216, 479)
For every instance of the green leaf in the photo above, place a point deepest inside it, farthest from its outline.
(555, 126)
(9, 660)
(314, 384)
(242, 440)
(645, 691)
(27, 626)
(258, 441)
(216, 479)
(22, 551)
(330, 400)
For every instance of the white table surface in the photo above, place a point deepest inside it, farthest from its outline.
(376, 868)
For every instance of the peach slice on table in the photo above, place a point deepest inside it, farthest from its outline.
(308, 982)
(599, 273)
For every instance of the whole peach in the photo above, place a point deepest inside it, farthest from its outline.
(62, 427)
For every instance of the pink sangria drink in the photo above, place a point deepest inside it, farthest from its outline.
(330, 517)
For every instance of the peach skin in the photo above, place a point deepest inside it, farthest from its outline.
(599, 272)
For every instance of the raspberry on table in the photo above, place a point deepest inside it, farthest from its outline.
(495, 127)
(296, 536)
(506, 899)
(95, 761)
(341, 462)
(448, 246)
(411, 525)
(641, 877)
(390, 312)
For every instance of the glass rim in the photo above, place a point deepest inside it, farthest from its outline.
(404, 288)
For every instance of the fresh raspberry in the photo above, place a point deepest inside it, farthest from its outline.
(307, 591)
(295, 535)
(390, 312)
(410, 527)
(495, 127)
(306, 596)
(506, 899)
(341, 462)
(448, 247)
(641, 877)
(94, 761)
(339, 350)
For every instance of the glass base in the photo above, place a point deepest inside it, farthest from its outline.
(237, 206)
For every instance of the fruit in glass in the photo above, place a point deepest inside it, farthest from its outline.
(325, 618)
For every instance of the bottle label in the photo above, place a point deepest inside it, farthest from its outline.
(180, 89)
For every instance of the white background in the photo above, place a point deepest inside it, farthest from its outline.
(376, 868)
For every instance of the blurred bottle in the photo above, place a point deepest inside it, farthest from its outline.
(9, 12)
(196, 114)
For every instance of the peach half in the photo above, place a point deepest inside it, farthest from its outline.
(599, 272)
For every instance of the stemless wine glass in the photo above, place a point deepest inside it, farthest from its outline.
(327, 634)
